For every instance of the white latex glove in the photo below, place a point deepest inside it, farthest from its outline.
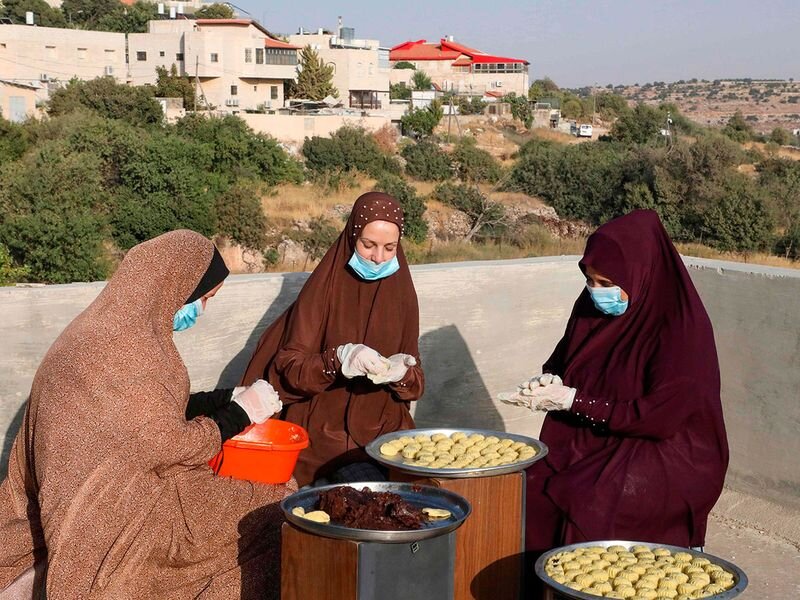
(552, 397)
(260, 401)
(359, 360)
(398, 368)
(521, 397)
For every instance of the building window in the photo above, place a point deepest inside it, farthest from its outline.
(259, 56)
(161, 53)
(281, 56)
(214, 57)
(81, 53)
(255, 88)
(140, 56)
(273, 92)
(248, 55)
(50, 51)
(179, 56)
(364, 99)
(234, 90)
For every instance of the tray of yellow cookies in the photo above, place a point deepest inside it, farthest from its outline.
(637, 571)
(456, 453)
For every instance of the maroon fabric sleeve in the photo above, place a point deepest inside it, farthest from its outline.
(658, 415)
(307, 373)
(410, 387)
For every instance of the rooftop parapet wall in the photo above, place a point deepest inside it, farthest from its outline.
(484, 327)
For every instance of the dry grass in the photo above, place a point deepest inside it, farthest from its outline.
(700, 251)
(290, 203)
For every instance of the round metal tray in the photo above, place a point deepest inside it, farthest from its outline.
(396, 462)
(422, 496)
(739, 577)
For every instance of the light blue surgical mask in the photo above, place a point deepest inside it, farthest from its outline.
(370, 271)
(187, 315)
(608, 300)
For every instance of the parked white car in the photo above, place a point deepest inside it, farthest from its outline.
(585, 131)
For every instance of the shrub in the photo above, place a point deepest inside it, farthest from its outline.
(13, 141)
(321, 236)
(108, 98)
(10, 273)
(474, 164)
(486, 218)
(426, 161)
(416, 228)
(240, 215)
(348, 149)
(420, 122)
(53, 217)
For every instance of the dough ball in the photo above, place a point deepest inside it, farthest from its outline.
(389, 450)
(318, 516)
(298, 511)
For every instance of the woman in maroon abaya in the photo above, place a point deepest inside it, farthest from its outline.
(638, 449)
(344, 357)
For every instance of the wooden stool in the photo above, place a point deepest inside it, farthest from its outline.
(319, 568)
(491, 542)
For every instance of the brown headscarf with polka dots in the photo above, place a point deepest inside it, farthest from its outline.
(297, 353)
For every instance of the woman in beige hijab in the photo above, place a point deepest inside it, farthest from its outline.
(108, 492)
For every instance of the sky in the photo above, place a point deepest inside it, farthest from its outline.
(578, 42)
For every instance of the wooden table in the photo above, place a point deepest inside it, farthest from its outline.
(490, 544)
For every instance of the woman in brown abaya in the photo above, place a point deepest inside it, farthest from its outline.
(344, 356)
(638, 449)
(108, 488)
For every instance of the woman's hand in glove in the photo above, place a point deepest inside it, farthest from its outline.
(521, 397)
(260, 401)
(552, 397)
(359, 360)
(399, 364)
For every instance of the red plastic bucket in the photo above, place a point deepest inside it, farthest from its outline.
(266, 452)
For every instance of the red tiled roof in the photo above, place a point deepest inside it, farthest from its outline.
(271, 43)
(446, 50)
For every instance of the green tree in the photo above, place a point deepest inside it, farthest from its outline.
(780, 136)
(404, 64)
(572, 109)
(10, 273)
(738, 129)
(45, 15)
(639, 126)
(420, 122)
(13, 141)
(473, 164)
(215, 11)
(240, 216)
(237, 151)
(542, 88)
(486, 218)
(53, 214)
(109, 99)
(426, 161)
(610, 106)
(420, 80)
(399, 91)
(347, 150)
(321, 236)
(88, 13)
(128, 19)
(520, 108)
(471, 106)
(315, 78)
(416, 228)
(738, 221)
(171, 85)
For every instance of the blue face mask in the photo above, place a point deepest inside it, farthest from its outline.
(187, 315)
(608, 300)
(368, 270)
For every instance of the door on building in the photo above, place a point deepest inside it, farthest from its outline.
(17, 112)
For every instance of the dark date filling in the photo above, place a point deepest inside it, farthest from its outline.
(366, 509)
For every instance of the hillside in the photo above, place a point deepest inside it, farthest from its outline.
(764, 104)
